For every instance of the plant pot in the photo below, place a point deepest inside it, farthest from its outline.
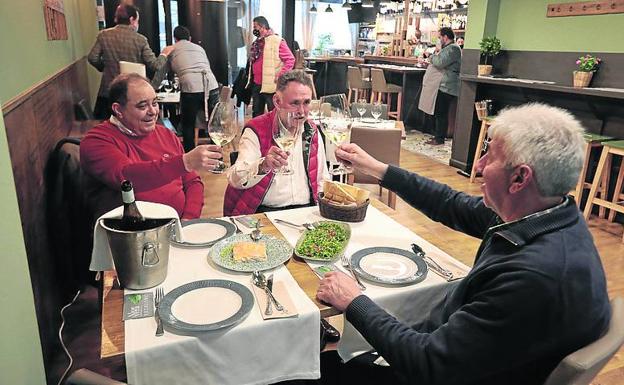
(484, 69)
(582, 79)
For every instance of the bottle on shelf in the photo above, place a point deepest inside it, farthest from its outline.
(132, 218)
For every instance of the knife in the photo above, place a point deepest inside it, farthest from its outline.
(433, 265)
(278, 306)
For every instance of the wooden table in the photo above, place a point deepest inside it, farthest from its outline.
(113, 333)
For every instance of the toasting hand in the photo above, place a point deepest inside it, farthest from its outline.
(361, 160)
(203, 158)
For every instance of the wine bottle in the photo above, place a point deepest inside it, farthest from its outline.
(132, 218)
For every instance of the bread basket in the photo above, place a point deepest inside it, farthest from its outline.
(342, 213)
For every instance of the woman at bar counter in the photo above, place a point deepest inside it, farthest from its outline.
(441, 83)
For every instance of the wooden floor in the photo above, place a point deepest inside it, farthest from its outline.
(608, 236)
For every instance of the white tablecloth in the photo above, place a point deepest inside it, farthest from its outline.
(253, 352)
(408, 303)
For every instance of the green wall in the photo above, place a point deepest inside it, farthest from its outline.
(21, 361)
(27, 57)
(523, 26)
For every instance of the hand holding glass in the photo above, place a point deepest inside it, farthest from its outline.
(223, 127)
(337, 126)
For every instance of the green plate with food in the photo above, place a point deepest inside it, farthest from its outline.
(326, 242)
(241, 253)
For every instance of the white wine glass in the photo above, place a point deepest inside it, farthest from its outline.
(223, 127)
(376, 110)
(286, 129)
(315, 110)
(361, 108)
(167, 86)
(337, 126)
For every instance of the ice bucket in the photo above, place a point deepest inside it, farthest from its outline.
(141, 256)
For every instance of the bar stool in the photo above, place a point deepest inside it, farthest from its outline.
(604, 167)
(485, 124)
(592, 141)
(380, 87)
(356, 83)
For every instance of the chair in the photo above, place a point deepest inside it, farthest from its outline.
(126, 67)
(485, 124)
(592, 141)
(356, 83)
(367, 114)
(380, 88)
(581, 366)
(602, 179)
(384, 145)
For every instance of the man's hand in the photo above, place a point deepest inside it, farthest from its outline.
(202, 158)
(274, 159)
(167, 50)
(337, 289)
(358, 158)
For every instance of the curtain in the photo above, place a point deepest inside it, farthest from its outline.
(308, 21)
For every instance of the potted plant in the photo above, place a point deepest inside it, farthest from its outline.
(490, 47)
(587, 65)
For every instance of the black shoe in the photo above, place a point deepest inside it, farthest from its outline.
(330, 332)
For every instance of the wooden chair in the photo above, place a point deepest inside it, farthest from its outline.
(485, 124)
(581, 366)
(592, 141)
(616, 205)
(381, 88)
(356, 84)
(382, 144)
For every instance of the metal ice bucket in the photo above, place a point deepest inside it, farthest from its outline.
(142, 256)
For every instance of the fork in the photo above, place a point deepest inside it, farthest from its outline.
(238, 231)
(160, 293)
(346, 263)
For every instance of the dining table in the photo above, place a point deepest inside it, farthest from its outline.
(242, 343)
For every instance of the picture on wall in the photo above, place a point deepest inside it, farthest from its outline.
(54, 14)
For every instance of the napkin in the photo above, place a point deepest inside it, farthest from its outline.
(101, 257)
(281, 295)
(459, 271)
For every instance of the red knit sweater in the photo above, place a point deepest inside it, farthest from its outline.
(153, 164)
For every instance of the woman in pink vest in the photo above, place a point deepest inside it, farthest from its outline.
(253, 186)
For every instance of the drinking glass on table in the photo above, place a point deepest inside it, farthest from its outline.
(376, 110)
(315, 110)
(167, 86)
(223, 127)
(337, 126)
(286, 130)
(361, 108)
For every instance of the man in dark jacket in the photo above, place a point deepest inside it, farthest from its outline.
(537, 290)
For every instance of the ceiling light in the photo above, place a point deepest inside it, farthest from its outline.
(313, 9)
(329, 8)
(367, 3)
(346, 5)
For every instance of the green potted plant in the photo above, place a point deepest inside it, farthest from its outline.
(587, 65)
(490, 47)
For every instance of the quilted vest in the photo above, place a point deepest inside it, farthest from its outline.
(247, 201)
(271, 63)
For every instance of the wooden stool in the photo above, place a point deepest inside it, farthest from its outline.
(602, 178)
(310, 74)
(380, 87)
(592, 141)
(485, 124)
(356, 83)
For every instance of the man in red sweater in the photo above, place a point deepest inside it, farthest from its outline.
(130, 145)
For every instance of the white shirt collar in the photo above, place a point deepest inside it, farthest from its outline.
(125, 130)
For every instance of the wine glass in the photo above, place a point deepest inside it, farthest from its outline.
(286, 129)
(361, 108)
(167, 86)
(315, 109)
(223, 127)
(337, 125)
(376, 110)
(176, 84)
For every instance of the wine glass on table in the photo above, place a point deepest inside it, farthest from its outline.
(376, 110)
(167, 86)
(286, 130)
(337, 126)
(223, 127)
(361, 108)
(315, 110)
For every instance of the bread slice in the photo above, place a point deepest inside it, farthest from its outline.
(345, 194)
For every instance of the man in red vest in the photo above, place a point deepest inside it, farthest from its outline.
(253, 184)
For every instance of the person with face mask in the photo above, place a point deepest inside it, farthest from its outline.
(441, 83)
(121, 43)
(270, 57)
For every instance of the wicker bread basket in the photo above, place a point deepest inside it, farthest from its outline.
(342, 213)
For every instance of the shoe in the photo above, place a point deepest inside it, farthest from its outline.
(330, 332)
(434, 142)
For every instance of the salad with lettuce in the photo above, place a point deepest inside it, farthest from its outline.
(325, 242)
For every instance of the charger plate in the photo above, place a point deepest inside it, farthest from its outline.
(178, 326)
(389, 266)
(202, 233)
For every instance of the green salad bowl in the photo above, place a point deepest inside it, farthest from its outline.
(325, 243)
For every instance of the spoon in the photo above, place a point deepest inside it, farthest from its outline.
(259, 279)
(256, 234)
